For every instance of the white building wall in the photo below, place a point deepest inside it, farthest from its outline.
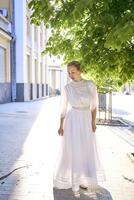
(32, 69)
(32, 55)
(38, 53)
(47, 79)
(20, 31)
(44, 61)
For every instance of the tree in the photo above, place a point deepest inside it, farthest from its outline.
(99, 34)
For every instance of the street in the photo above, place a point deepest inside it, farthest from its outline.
(29, 143)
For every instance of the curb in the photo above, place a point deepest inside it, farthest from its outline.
(127, 122)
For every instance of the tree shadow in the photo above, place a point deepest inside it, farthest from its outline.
(93, 193)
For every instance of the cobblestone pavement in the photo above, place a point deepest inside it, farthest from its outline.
(29, 143)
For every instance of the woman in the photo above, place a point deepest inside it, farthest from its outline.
(78, 164)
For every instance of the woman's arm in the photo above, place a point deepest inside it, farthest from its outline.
(61, 130)
(63, 110)
(94, 113)
(94, 106)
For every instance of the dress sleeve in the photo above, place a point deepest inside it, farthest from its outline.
(63, 103)
(94, 101)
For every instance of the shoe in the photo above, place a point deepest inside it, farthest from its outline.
(76, 194)
(83, 187)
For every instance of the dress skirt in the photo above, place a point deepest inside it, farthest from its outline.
(78, 160)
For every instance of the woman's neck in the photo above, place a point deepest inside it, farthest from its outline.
(79, 79)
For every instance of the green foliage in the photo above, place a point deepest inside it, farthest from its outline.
(99, 34)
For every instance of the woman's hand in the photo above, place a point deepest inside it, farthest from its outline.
(60, 131)
(94, 127)
(94, 120)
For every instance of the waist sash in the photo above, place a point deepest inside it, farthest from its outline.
(81, 108)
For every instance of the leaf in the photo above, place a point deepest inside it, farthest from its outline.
(97, 33)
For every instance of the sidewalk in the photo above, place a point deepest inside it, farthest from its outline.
(123, 107)
(29, 140)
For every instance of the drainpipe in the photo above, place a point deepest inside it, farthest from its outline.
(13, 53)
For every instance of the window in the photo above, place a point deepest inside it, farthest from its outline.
(28, 27)
(41, 72)
(53, 78)
(28, 69)
(35, 34)
(36, 71)
(3, 67)
(41, 39)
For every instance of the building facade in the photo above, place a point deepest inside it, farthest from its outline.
(31, 67)
(25, 73)
(5, 57)
(57, 76)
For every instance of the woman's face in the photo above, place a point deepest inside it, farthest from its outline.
(74, 73)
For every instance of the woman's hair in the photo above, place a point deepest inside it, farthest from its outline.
(75, 64)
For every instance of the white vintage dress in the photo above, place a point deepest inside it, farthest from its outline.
(78, 161)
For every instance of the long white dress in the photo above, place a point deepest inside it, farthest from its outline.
(78, 160)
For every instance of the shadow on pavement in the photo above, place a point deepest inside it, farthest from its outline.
(93, 193)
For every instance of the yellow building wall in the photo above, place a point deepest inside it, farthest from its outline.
(5, 43)
(6, 4)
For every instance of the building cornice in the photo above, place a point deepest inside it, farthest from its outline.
(4, 34)
(4, 19)
(54, 67)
